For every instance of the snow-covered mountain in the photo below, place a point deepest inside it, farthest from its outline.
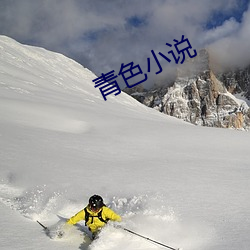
(237, 81)
(203, 97)
(60, 142)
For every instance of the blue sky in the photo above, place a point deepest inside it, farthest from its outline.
(102, 35)
(218, 17)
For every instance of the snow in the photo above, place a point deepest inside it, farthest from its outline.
(182, 185)
(242, 99)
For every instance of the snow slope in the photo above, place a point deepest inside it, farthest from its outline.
(60, 142)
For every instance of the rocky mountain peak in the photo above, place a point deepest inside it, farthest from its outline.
(201, 97)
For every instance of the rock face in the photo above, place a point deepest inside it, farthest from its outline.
(202, 98)
(237, 81)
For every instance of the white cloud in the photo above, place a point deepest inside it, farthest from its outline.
(98, 34)
(229, 27)
(233, 49)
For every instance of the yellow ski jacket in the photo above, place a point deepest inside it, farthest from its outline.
(94, 223)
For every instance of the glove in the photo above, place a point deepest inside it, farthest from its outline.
(62, 229)
(60, 234)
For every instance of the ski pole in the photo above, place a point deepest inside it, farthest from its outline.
(45, 228)
(146, 238)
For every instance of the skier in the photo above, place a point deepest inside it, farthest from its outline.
(95, 214)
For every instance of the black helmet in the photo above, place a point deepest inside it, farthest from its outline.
(96, 202)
